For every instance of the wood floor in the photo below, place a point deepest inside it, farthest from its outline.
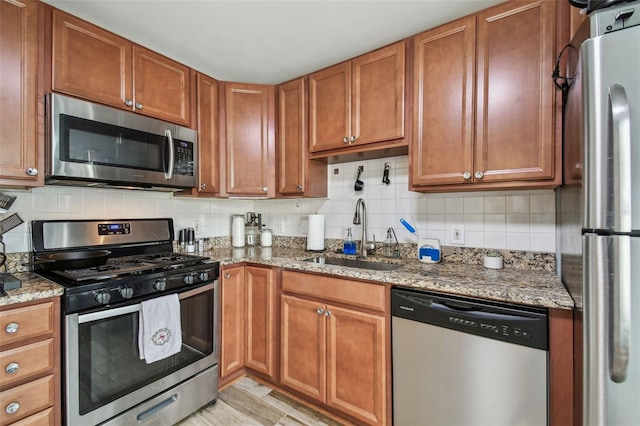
(249, 403)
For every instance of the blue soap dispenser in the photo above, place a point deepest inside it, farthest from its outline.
(349, 246)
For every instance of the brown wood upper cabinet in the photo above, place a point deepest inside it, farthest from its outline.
(95, 64)
(358, 102)
(297, 175)
(507, 138)
(208, 136)
(248, 141)
(21, 143)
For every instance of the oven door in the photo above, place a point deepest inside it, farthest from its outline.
(104, 374)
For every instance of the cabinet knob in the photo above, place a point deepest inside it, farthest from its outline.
(479, 175)
(327, 313)
(353, 138)
(345, 140)
(227, 275)
(203, 186)
(320, 311)
(299, 187)
(138, 105)
(466, 175)
(12, 367)
(12, 327)
(12, 408)
(265, 189)
(32, 171)
(128, 102)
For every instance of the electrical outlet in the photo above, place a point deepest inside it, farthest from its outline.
(457, 234)
(281, 227)
(196, 227)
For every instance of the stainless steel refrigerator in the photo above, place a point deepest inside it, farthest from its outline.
(599, 213)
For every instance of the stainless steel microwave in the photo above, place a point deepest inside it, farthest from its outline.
(94, 145)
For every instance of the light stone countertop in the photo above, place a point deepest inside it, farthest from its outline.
(34, 287)
(523, 286)
(520, 286)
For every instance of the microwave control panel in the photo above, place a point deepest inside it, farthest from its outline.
(184, 155)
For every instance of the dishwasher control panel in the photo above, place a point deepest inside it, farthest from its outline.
(510, 323)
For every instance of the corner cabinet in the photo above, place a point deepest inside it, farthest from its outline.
(507, 138)
(248, 331)
(21, 132)
(297, 175)
(333, 344)
(95, 64)
(359, 102)
(248, 140)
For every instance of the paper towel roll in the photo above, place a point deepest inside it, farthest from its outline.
(315, 232)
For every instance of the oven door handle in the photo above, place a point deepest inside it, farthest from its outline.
(110, 313)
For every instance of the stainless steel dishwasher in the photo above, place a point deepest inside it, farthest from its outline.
(461, 361)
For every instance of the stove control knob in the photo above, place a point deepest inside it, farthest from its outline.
(126, 292)
(188, 279)
(102, 297)
(203, 276)
(160, 285)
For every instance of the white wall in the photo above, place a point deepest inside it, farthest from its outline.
(517, 220)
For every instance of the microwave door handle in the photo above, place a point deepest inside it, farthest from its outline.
(168, 174)
(620, 282)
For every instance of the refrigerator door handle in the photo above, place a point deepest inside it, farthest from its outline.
(620, 308)
(620, 140)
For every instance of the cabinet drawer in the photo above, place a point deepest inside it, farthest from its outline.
(43, 418)
(27, 361)
(355, 293)
(30, 398)
(26, 322)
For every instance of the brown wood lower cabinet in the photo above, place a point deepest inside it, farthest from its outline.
(335, 354)
(248, 326)
(30, 389)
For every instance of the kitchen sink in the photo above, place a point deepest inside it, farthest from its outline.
(354, 263)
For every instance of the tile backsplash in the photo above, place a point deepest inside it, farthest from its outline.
(514, 220)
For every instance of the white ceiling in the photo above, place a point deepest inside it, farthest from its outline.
(266, 41)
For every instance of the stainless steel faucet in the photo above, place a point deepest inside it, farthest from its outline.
(358, 219)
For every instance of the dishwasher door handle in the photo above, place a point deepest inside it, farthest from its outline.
(470, 312)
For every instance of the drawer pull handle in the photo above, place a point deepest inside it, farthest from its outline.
(12, 327)
(12, 408)
(12, 367)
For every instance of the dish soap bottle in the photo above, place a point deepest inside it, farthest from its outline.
(349, 246)
(387, 247)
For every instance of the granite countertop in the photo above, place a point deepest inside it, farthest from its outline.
(33, 287)
(521, 286)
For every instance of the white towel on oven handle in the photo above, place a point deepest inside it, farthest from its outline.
(160, 330)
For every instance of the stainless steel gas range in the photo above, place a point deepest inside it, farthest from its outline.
(109, 268)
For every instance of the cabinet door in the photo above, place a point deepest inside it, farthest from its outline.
(232, 321)
(90, 62)
(249, 139)
(260, 295)
(356, 378)
(208, 169)
(297, 175)
(378, 95)
(330, 108)
(20, 141)
(515, 93)
(303, 354)
(442, 146)
(162, 87)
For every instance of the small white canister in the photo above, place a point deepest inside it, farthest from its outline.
(266, 237)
